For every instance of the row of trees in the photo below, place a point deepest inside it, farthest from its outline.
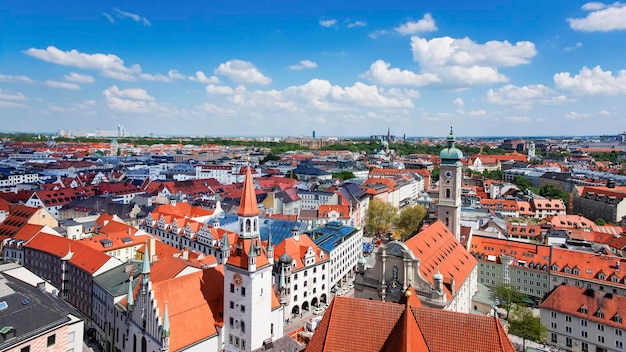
(383, 217)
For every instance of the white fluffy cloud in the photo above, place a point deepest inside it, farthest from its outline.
(200, 77)
(62, 85)
(9, 78)
(458, 102)
(130, 93)
(303, 64)
(134, 100)
(108, 65)
(426, 24)
(465, 62)
(240, 71)
(219, 90)
(380, 73)
(592, 82)
(328, 23)
(525, 96)
(78, 78)
(601, 18)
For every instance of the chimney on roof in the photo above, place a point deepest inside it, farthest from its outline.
(610, 183)
(617, 264)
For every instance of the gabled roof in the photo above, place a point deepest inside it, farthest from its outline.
(404, 328)
(438, 249)
(296, 249)
(568, 299)
(83, 257)
(19, 216)
(193, 298)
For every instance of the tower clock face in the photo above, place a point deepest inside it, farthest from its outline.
(447, 174)
(237, 279)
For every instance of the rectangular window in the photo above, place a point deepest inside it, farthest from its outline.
(583, 334)
(600, 327)
(600, 338)
(554, 338)
(243, 291)
(231, 321)
(243, 344)
(52, 339)
(232, 288)
(568, 342)
(619, 344)
(232, 305)
(25, 349)
(70, 337)
(243, 308)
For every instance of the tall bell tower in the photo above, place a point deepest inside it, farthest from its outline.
(450, 177)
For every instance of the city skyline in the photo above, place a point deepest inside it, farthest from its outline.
(339, 68)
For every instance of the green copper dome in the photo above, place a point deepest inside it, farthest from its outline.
(450, 154)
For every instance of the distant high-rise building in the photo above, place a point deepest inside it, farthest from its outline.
(531, 150)
(313, 133)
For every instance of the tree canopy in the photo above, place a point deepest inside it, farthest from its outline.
(344, 175)
(521, 182)
(381, 217)
(524, 324)
(410, 220)
(550, 191)
(508, 295)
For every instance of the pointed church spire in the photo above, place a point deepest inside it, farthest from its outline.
(130, 299)
(145, 270)
(166, 322)
(248, 205)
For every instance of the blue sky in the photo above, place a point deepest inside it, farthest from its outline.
(341, 68)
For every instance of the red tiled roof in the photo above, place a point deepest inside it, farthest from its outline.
(191, 299)
(568, 299)
(438, 249)
(402, 328)
(18, 217)
(84, 257)
(248, 205)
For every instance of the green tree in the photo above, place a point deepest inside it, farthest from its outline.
(550, 191)
(508, 295)
(493, 174)
(291, 175)
(600, 222)
(269, 157)
(410, 220)
(380, 217)
(523, 323)
(344, 175)
(521, 182)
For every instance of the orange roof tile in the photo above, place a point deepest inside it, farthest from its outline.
(438, 249)
(192, 298)
(570, 299)
(248, 205)
(402, 328)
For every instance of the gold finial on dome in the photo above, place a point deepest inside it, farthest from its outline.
(407, 294)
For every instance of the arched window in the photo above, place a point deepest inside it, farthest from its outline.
(255, 221)
(248, 225)
(448, 193)
(134, 342)
(448, 222)
(144, 345)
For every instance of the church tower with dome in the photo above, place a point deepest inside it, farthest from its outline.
(450, 177)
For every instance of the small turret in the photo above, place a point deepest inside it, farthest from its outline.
(130, 299)
(295, 233)
(165, 333)
(252, 256)
(225, 248)
(145, 270)
(438, 281)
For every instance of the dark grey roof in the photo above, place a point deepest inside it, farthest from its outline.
(29, 311)
(115, 281)
(309, 170)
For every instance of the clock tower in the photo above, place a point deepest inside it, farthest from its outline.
(250, 320)
(450, 176)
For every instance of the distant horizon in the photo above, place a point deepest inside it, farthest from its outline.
(45, 135)
(341, 68)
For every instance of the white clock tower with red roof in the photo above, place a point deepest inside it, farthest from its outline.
(252, 314)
